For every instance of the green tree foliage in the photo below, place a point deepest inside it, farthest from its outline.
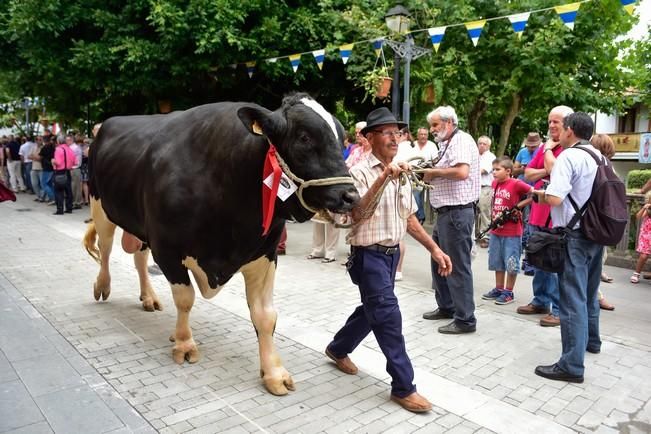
(96, 58)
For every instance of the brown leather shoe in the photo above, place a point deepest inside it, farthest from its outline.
(415, 403)
(531, 309)
(345, 365)
(550, 321)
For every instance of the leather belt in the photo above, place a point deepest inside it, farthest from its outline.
(445, 209)
(380, 248)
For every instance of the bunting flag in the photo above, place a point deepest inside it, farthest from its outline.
(519, 22)
(345, 51)
(377, 46)
(319, 56)
(250, 68)
(474, 30)
(295, 60)
(568, 13)
(629, 6)
(436, 35)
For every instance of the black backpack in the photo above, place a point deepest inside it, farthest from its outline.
(603, 216)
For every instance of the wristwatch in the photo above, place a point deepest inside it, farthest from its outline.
(548, 149)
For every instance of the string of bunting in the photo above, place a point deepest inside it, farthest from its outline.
(567, 13)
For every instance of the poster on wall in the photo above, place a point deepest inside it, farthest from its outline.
(645, 148)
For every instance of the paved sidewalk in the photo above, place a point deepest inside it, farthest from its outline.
(69, 364)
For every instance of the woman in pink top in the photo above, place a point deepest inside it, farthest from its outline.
(64, 159)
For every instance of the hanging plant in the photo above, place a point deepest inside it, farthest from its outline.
(377, 83)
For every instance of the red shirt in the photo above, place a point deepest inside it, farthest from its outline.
(540, 212)
(506, 195)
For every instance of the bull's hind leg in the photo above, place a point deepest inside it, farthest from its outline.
(259, 278)
(105, 231)
(148, 297)
(184, 346)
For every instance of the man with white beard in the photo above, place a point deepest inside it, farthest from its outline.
(455, 190)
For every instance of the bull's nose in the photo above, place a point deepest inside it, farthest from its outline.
(350, 197)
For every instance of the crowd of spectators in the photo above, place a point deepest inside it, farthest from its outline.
(28, 165)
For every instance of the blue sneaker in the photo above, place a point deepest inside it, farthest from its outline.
(492, 294)
(506, 297)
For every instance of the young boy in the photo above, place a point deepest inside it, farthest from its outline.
(505, 246)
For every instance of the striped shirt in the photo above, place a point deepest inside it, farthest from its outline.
(388, 224)
(448, 192)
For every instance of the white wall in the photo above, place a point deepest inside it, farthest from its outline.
(605, 124)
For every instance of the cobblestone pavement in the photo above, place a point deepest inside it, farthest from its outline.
(70, 364)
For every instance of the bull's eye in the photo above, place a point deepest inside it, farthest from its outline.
(304, 138)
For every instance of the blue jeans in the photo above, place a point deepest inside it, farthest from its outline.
(46, 184)
(419, 199)
(374, 273)
(454, 294)
(504, 254)
(27, 176)
(526, 211)
(545, 285)
(579, 284)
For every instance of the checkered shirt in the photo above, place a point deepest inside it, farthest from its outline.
(387, 226)
(449, 192)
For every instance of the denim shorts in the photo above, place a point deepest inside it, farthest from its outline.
(504, 254)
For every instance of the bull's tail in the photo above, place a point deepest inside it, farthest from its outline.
(90, 242)
(90, 238)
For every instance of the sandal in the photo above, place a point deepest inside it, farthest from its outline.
(603, 304)
(635, 278)
(606, 278)
(328, 260)
(311, 256)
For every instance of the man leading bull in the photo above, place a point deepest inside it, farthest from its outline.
(374, 257)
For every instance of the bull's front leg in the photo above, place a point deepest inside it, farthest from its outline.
(148, 297)
(184, 346)
(259, 279)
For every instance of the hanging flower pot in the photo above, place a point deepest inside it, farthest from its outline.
(429, 94)
(383, 87)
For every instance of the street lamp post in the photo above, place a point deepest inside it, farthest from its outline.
(26, 105)
(398, 20)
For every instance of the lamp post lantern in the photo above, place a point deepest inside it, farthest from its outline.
(398, 20)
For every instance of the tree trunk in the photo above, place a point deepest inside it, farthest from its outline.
(477, 111)
(507, 122)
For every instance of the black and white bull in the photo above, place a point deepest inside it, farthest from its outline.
(188, 184)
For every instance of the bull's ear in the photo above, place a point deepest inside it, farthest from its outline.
(260, 121)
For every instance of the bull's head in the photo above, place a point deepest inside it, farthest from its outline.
(310, 141)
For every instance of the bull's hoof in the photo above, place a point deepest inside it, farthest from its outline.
(151, 304)
(185, 350)
(102, 293)
(278, 384)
